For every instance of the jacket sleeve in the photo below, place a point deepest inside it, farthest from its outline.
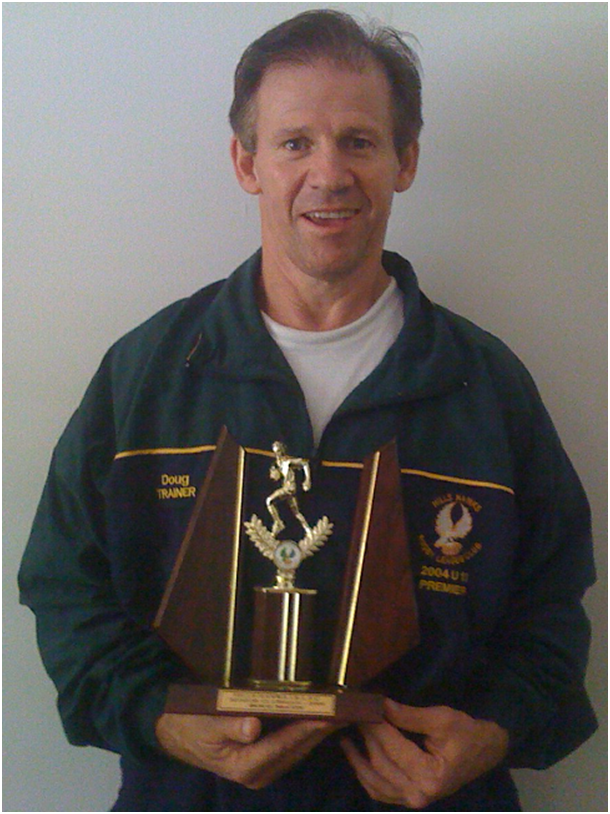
(111, 674)
(532, 680)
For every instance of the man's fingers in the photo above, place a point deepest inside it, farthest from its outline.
(458, 748)
(420, 720)
(294, 738)
(385, 741)
(375, 785)
(232, 747)
(405, 717)
(293, 735)
(243, 730)
(274, 754)
(211, 728)
(384, 781)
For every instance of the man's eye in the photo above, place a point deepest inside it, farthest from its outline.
(360, 143)
(295, 144)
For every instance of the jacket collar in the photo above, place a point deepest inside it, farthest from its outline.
(234, 342)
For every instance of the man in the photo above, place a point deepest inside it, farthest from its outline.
(322, 341)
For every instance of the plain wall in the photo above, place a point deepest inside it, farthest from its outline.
(119, 198)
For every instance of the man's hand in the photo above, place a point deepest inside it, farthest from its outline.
(230, 746)
(457, 749)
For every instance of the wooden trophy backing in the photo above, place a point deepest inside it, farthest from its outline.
(378, 613)
(196, 617)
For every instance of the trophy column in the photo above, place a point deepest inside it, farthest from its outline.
(282, 637)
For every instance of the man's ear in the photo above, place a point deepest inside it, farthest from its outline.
(243, 164)
(408, 166)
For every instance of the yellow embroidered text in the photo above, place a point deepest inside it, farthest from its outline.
(175, 486)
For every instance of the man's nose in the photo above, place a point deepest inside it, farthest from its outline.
(329, 169)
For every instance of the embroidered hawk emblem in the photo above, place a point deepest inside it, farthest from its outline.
(451, 529)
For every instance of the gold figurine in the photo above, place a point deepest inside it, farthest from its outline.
(287, 554)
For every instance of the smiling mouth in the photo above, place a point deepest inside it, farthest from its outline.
(328, 217)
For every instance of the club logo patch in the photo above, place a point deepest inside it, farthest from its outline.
(454, 540)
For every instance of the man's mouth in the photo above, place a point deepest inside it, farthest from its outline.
(328, 216)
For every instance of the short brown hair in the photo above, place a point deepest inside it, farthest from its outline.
(337, 36)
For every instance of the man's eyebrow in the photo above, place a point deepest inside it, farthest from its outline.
(287, 132)
(366, 130)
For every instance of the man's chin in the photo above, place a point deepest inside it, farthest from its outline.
(333, 268)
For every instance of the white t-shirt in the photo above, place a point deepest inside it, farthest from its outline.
(330, 364)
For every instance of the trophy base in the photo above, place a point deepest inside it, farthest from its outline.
(326, 703)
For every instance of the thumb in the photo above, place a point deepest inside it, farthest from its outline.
(241, 730)
(421, 720)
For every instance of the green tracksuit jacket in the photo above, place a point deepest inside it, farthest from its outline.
(503, 632)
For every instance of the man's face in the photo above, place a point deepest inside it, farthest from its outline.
(325, 168)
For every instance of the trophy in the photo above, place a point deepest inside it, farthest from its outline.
(202, 616)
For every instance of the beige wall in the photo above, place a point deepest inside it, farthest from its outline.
(119, 198)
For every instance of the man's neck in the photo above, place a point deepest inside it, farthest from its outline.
(311, 304)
